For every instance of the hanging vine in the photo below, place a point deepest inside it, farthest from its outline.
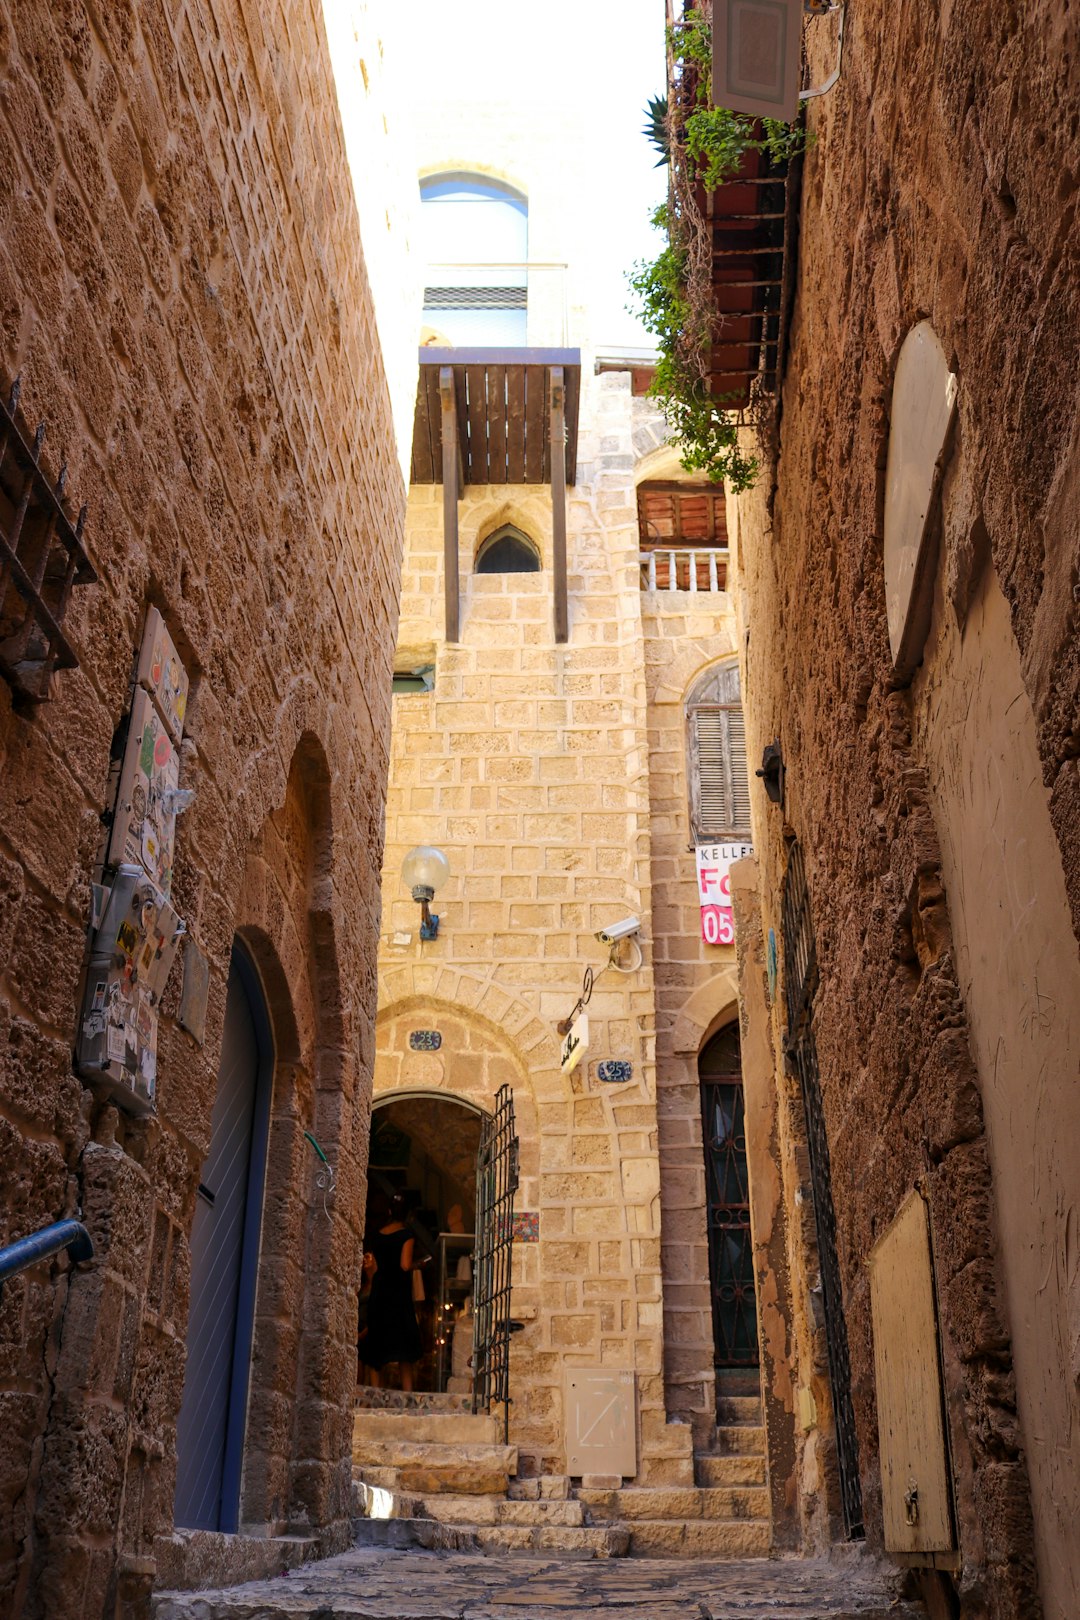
(705, 145)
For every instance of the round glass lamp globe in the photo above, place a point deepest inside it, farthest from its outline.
(424, 871)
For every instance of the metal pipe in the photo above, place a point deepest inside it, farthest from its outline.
(27, 1251)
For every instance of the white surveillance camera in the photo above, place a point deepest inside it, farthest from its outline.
(612, 934)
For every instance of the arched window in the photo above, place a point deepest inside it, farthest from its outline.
(716, 757)
(507, 551)
(476, 243)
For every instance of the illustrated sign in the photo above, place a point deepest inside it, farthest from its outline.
(576, 1043)
(134, 929)
(714, 863)
(162, 674)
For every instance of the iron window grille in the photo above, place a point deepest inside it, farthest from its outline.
(41, 559)
(800, 985)
(716, 758)
(497, 1176)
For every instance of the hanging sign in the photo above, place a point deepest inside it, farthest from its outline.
(575, 1043)
(714, 863)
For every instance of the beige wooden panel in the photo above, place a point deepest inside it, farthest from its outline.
(600, 1422)
(914, 1471)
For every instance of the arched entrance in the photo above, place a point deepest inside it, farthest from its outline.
(424, 1148)
(727, 1191)
(224, 1264)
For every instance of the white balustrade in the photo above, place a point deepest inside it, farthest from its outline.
(684, 568)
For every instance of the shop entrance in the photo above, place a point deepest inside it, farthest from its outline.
(422, 1171)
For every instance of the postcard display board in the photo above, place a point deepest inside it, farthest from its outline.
(137, 931)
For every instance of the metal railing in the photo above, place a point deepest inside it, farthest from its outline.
(27, 1251)
(684, 568)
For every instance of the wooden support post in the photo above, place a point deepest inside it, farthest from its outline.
(451, 458)
(557, 396)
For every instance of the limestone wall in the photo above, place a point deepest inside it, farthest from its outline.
(183, 293)
(927, 193)
(696, 994)
(528, 764)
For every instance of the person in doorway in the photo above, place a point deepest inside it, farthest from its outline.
(392, 1333)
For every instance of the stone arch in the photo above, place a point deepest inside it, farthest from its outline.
(469, 1067)
(695, 657)
(518, 537)
(705, 1010)
(484, 512)
(663, 462)
(468, 168)
(536, 1042)
(303, 1354)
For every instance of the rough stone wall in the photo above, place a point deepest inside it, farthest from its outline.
(182, 290)
(528, 765)
(695, 986)
(942, 185)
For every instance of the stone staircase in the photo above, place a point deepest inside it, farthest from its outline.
(427, 1472)
(713, 1504)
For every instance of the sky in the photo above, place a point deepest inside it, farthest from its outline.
(593, 64)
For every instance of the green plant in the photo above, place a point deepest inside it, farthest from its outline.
(706, 433)
(673, 293)
(656, 128)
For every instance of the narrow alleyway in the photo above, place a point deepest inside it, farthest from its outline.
(369, 1584)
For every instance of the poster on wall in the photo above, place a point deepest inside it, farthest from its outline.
(162, 674)
(145, 818)
(132, 954)
(714, 863)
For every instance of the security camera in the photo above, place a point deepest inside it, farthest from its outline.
(612, 934)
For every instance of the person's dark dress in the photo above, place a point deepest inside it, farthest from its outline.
(392, 1331)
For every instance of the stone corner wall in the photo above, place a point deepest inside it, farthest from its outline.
(182, 292)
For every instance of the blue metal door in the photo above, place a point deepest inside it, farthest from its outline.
(224, 1258)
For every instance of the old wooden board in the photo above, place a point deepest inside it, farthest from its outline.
(916, 1504)
(476, 392)
(503, 417)
(536, 424)
(497, 423)
(515, 425)
(573, 400)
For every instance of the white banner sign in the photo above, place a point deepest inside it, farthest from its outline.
(714, 863)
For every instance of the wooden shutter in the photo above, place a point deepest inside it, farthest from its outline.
(720, 791)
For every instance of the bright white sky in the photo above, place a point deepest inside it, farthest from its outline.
(583, 68)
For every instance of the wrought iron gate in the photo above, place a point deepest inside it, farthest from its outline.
(496, 1184)
(727, 1190)
(800, 984)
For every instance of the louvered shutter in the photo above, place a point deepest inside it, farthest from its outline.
(720, 789)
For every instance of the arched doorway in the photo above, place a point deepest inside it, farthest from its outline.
(224, 1265)
(731, 1260)
(424, 1148)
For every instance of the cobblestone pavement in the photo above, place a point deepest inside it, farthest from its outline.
(376, 1584)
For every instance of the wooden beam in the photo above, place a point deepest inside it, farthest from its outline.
(450, 462)
(557, 421)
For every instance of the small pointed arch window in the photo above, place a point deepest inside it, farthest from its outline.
(716, 757)
(507, 551)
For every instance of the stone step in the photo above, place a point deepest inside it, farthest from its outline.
(367, 1399)
(636, 1502)
(730, 1470)
(732, 1409)
(422, 1470)
(541, 1488)
(700, 1538)
(738, 1440)
(568, 1542)
(423, 1428)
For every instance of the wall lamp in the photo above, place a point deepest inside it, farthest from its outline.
(424, 870)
